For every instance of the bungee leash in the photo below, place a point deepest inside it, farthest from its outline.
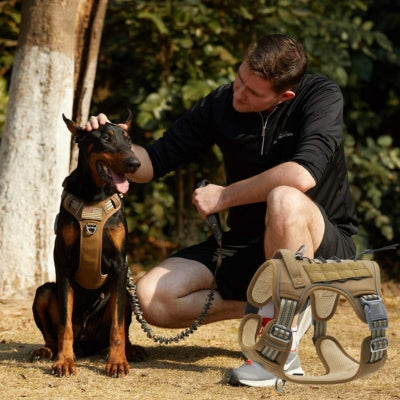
(215, 226)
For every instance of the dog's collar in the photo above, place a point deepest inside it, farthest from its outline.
(91, 218)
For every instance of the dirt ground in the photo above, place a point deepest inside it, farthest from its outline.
(196, 368)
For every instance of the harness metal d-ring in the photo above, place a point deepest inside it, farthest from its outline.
(279, 385)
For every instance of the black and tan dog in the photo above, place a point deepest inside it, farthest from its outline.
(86, 310)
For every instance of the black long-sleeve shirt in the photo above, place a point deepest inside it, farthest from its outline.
(306, 129)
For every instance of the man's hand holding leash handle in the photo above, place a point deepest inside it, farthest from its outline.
(212, 219)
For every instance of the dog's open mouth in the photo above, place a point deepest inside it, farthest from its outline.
(113, 178)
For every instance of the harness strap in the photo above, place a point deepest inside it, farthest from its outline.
(292, 268)
(277, 337)
(377, 320)
(91, 218)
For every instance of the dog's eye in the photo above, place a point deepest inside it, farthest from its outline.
(106, 138)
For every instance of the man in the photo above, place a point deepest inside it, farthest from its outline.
(280, 132)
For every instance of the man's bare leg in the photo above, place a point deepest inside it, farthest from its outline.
(173, 294)
(292, 220)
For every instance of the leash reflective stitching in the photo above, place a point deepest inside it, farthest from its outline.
(215, 225)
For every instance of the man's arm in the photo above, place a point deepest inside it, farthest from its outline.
(145, 172)
(212, 198)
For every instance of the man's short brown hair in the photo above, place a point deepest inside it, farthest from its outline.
(279, 59)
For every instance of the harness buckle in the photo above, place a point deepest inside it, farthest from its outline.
(281, 333)
(375, 312)
(379, 344)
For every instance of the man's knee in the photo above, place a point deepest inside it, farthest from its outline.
(285, 203)
(156, 297)
(148, 298)
(291, 213)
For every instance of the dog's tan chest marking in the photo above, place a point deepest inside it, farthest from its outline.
(69, 234)
(117, 235)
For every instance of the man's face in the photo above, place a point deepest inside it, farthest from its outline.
(251, 93)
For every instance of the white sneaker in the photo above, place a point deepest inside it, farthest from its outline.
(304, 321)
(252, 373)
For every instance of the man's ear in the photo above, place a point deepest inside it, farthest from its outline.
(287, 95)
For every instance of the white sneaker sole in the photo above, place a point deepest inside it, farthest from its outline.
(268, 382)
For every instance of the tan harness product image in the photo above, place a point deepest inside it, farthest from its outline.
(290, 282)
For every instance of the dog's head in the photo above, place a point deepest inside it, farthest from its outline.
(107, 151)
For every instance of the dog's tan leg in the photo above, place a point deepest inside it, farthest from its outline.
(117, 365)
(64, 364)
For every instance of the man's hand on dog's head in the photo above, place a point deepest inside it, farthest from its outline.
(95, 121)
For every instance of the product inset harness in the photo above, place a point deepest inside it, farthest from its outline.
(289, 281)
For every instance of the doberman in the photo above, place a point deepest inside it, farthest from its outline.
(86, 309)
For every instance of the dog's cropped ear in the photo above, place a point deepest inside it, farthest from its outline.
(72, 126)
(129, 120)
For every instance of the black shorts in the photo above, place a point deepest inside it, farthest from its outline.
(241, 257)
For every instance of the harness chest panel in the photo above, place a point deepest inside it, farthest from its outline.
(293, 283)
(91, 218)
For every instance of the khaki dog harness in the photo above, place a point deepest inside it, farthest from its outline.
(91, 218)
(289, 281)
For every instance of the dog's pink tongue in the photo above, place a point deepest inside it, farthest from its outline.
(120, 182)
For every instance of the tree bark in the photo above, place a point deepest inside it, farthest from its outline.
(89, 28)
(35, 147)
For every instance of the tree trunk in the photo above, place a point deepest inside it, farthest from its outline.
(89, 27)
(35, 147)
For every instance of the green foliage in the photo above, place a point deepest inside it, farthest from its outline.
(10, 18)
(3, 102)
(373, 174)
(155, 209)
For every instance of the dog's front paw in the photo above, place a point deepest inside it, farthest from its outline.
(117, 368)
(64, 366)
(41, 354)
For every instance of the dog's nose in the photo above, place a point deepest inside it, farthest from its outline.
(132, 163)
